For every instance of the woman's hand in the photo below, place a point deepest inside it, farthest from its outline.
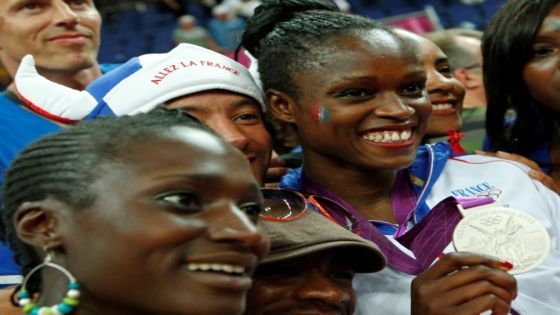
(464, 283)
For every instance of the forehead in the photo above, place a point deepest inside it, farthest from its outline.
(182, 146)
(371, 53)
(333, 257)
(551, 23)
(185, 152)
(376, 44)
(428, 51)
(213, 101)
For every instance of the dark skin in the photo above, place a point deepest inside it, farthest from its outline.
(543, 67)
(142, 248)
(318, 283)
(463, 284)
(378, 93)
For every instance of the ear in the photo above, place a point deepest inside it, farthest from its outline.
(281, 105)
(36, 224)
(465, 77)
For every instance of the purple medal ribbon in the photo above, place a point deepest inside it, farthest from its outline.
(426, 239)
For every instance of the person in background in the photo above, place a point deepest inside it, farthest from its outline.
(310, 267)
(361, 127)
(120, 222)
(64, 37)
(462, 47)
(242, 8)
(187, 31)
(446, 93)
(445, 90)
(226, 28)
(520, 51)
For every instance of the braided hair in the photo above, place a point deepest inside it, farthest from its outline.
(63, 165)
(288, 36)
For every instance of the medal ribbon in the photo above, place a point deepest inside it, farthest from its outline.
(427, 239)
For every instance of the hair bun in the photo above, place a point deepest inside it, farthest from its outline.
(273, 12)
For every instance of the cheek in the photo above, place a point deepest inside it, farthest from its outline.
(264, 293)
(320, 114)
(91, 19)
(537, 72)
(352, 303)
(423, 108)
(459, 92)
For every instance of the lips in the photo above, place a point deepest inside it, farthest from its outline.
(229, 271)
(444, 107)
(401, 135)
(387, 136)
(235, 264)
(235, 270)
(69, 39)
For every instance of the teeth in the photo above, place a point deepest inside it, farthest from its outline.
(232, 269)
(388, 136)
(442, 106)
(405, 134)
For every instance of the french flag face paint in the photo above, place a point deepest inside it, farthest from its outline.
(320, 114)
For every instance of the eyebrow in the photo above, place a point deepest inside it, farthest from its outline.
(376, 78)
(197, 176)
(204, 108)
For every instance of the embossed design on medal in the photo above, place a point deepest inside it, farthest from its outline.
(505, 233)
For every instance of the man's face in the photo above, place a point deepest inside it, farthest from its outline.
(236, 118)
(314, 284)
(62, 35)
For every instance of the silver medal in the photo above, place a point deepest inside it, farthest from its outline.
(505, 233)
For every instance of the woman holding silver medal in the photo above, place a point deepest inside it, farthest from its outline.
(361, 113)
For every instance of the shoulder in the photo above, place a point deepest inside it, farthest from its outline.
(493, 163)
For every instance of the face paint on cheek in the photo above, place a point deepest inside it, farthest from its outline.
(320, 114)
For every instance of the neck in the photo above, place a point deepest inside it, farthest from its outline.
(368, 191)
(77, 80)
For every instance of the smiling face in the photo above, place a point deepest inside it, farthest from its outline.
(61, 35)
(445, 91)
(365, 108)
(541, 73)
(236, 118)
(172, 231)
(312, 284)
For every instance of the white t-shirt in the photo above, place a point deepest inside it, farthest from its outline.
(388, 292)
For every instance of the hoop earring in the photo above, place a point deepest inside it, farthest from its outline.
(68, 304)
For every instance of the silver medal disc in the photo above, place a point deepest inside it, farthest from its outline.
(505, 233)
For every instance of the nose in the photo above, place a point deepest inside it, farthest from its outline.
(437, 82)
(394, 107)
(63, 14)
(231, 224)
(318, 286)
(230, 131)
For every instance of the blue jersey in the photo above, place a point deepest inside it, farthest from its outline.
(18, 127)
